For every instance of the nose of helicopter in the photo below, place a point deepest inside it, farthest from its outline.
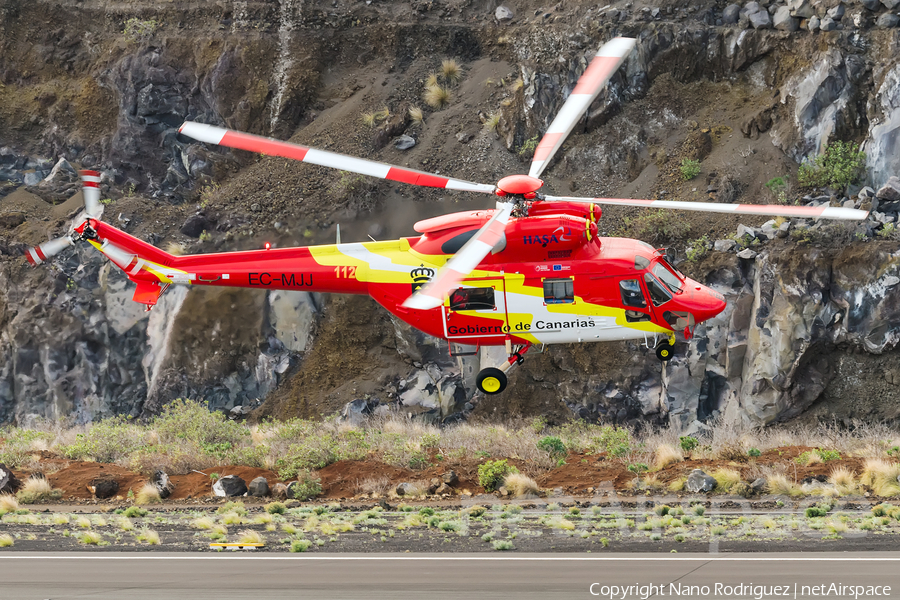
(702, 302)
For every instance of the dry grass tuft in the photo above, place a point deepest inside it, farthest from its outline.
(174, 248)
(521, 486)
(492, 121)
(147, 495)
(125, 524)
(8, 503)
(844, 480)
(432, 80)
(666, 455)
(726, 479)
(451, 71)
(149, 537)
(248, 536)
(881, 475)
(37, 489)
(374, 485)
(677, 485)
(416, 114)
(91, 538)
(437, 97)
(368, 119)
(780, 485)
(6, 540)
(203, 523)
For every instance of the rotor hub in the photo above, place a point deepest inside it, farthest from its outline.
(519, 185)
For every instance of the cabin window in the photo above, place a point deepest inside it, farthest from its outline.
(559, 291)
(472, 299)
(658, 292)
(632, 294)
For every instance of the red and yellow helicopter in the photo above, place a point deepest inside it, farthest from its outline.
(530, 271)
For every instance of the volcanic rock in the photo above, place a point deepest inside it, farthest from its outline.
(9, 483)
(259, 487)
(698, 481)
(162, 483)
(105, 488)
(229, 487)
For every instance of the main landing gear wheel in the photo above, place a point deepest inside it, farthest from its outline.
(665, 351)
(491, 380)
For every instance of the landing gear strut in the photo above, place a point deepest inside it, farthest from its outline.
(492, 380)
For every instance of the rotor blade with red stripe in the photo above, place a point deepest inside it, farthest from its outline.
(90, 189)
(463, 262)
(39, 254)
(255, 143)
(605, 63)
(774, 210)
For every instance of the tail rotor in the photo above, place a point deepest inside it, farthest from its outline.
(93, 209)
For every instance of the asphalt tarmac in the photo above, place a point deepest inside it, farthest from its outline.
(241, 574)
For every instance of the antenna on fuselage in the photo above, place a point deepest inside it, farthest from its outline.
(337, 236)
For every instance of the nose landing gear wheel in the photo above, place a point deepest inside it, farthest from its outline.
(491, 380)
(664, 351)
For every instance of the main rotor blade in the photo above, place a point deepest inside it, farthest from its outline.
(256, 143)
(90, 189)
(775, 210)
(463, 262)
(39, 254)
(605, 63)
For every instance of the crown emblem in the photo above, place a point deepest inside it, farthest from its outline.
(421, 274)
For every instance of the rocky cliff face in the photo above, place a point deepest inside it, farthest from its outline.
(106, 85)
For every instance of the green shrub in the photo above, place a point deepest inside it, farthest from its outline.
(638, 467)
(688, 443)
(135, 511)
(824, 455)
(308, 486)
(276, 508)
(815, 511)
(658, 226)
(321, 447)
(16, 445)
(882, 510)
(426, 511)
(492, 472)
(450, 526)
(754, 452)
(137, 29)
(840, 165)
(553, 446)
(503, 545)
(300, 545)
(662, 510)
(526, 150)
(107, 441)
(690, 168)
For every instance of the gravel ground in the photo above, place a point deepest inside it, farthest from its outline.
(526, 528)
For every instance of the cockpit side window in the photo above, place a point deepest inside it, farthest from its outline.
(658, 292)
(632, 295)
(673, 282)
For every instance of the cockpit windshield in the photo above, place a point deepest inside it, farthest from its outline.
(667, 274)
